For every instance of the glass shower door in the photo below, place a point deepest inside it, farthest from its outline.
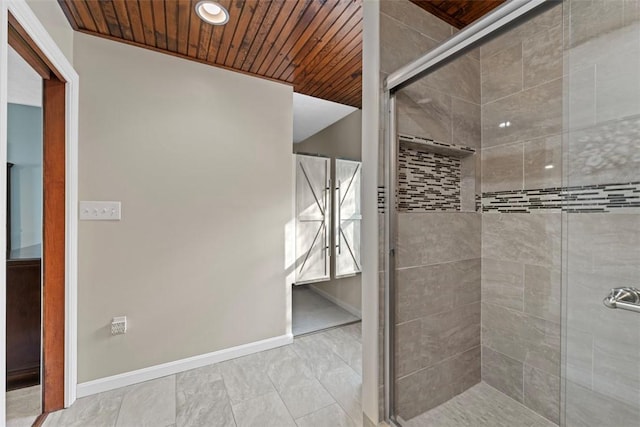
(601, 144)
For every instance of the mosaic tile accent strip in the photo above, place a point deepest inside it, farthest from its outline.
(624, 197)
(382, 192)
(427, 181)
(427, 144)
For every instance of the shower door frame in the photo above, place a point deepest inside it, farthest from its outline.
(468, 38)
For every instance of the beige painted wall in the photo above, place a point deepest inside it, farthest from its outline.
(343, 140)
(52, 18)
(201, 159)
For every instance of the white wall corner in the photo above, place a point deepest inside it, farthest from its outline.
(370, 141)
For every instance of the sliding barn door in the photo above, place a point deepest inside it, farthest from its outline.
(348, 216)
(313, 213)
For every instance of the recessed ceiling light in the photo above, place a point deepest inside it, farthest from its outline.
(504, 125)
(212, 12)
(548, 167)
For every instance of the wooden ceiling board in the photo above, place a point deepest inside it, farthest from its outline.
(304, 46)
(458, 13)
(314, 45)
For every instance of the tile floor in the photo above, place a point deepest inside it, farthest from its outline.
(312, 312)
(480, 406)
(315, 382)
(23, 406)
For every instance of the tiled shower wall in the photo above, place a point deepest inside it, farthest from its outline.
(589, 53)
(602, 142)
(438, 252)
(521, 78)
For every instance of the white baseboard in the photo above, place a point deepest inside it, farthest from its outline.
(152, 372)
(351, 309)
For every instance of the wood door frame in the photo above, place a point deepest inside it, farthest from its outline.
(60, 171)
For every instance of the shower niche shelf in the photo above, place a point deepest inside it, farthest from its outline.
(429, 145)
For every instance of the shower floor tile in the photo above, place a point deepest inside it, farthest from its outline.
(480, 406)
(312, 312)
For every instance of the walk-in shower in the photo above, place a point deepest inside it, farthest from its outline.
(511, 208)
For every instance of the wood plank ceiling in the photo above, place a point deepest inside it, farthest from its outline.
(458, 13)
(314, 45)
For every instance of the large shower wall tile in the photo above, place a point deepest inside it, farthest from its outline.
(408, 347)
(631, 11)
(400, 44)
(423, 390)
(466, 123)
(502, 168)
(542, 22)
(532, 113)
(618, 87)
(543, 162)
(542, 57)
(615, 367)
(413, 16)
(433, 238)
(592, 19)
(604, 154)
(606, 244)
(467, 369)
(542, 291)
(581, 98)
(502, 73)
(542, 393)
(522, 337)
(585, 311)
(503, 373)
(465, 278)
(427, 290)
(450, 333)
(598, 50)
(579, 356)
(524, 238)
(503, 283)
(429, 387)
(425, 113)
(587, 408)
(459, 78)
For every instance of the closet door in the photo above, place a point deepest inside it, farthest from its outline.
(348, 216)
(313, 213)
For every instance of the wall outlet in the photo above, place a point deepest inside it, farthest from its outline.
(100, 211)
(119, 325)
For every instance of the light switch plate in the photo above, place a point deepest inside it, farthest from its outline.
(100, 211)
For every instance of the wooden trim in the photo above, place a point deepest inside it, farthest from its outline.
(54, 236)
(40, 420)
(20, 40)
(25, 51)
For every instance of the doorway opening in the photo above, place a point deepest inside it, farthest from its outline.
(36, 235)
(327, 289)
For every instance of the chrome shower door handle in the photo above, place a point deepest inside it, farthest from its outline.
(623, 298)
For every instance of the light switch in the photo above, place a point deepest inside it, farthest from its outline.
(100, 211)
